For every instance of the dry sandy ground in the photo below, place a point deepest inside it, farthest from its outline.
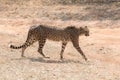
(101, 48)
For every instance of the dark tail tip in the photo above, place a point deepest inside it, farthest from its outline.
(10, 46)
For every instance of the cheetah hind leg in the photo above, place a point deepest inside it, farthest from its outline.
(27, 44)
(23, 50)
(41, 45)
(40, 51)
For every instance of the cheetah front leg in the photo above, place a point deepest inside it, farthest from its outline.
(76, 45)
(41, 45)
(62, 50)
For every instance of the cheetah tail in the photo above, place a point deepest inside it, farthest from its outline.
(16, 47)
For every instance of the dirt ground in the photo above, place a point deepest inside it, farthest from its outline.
(101, 48)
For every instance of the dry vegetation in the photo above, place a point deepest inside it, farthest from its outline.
(57, 9)
(101, 48)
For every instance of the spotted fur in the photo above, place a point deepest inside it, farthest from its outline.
(41, 33)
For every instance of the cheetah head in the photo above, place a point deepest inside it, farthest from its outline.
(84, 30)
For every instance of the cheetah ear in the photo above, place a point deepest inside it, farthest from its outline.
(81, 28)
(85, 26)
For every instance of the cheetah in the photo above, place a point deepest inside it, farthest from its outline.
(41, 33)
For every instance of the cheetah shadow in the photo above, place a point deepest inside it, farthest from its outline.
(43, 60)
